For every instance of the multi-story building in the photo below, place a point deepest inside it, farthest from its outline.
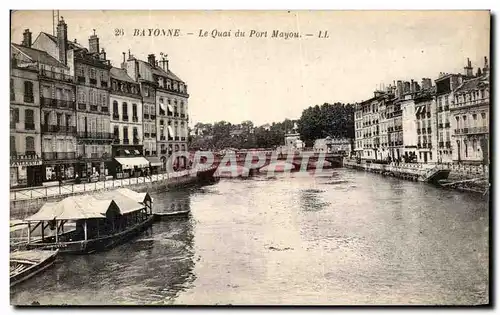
(425, 110)
(126, 122)
(445, 85)
(90, 70)
(470, 118)
(171, 104)
(25, 143)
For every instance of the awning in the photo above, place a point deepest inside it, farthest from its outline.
(170, 131)
(155, 161)
(162, 107)
(127, 151)
(137, 152)
(128, 163)
(170, 108)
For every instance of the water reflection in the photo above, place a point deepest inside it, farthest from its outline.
(348, 238)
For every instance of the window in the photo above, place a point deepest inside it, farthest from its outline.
(92, 73)
(30, 145)
(12, 144)
(28, 91)
(135, 133)
(68, 120)
(14, 115)
(125, 132)
(92, 97)
(146, 91)
(59, 119)
(81, 97)
(115, 86)
(12, 92)
(116, 132)
(29, 119)
(59, 94)
(115, 108)
(125, 111)
(134, 110)
(81, 71)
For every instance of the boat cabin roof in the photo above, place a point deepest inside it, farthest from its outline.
(98, 206)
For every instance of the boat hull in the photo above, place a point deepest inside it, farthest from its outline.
(33, 270)
(177, 214)
(98, 244)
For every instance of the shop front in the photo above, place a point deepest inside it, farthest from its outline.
(58, 171)
(155, 164)
(25, 171)
(131, 166)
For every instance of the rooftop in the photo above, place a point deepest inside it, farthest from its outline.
(39, 56)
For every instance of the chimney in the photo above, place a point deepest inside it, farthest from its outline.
(123, 64)
(152, 60)
(468, 68)
(412, 86)
(399, 89)
(94, 44)
(26, 38)
(486, 67)
(478, 72)
(102, 54)
(426, 83)
(62, 40)
(406, 87)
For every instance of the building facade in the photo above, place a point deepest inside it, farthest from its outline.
(25, 131)
(127, 121)
(470, 119)
(171, 105)
(90, 70)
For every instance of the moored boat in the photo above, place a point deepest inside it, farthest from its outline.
(26, 264)
(102, 221)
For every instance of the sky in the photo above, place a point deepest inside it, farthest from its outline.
(265, 79)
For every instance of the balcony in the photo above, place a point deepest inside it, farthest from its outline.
(105, 110)
(146, 135)
(29, 98)
(94, 108)
(58, 155)
(116, 139)
(176, 138)
(27, 156)
(52, 102)
(104, 84)
(135, 118)
(82, 106)
(29, 126)
(136, 140)
(93, 81)
(447, 125)
(429, 130)
(448, 144)
(95, 135)
(153, 135)
(476, 130)
(441, 144)
(162, 112)
(146, 116)
(69, 130)
(80, 79)
(125, 118)
(126, 141)
(56, 76)
(162, 137)
(116, 116)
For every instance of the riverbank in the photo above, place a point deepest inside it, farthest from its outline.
(26, 202)
(463, 178)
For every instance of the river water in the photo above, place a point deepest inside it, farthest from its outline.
(346, 239)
